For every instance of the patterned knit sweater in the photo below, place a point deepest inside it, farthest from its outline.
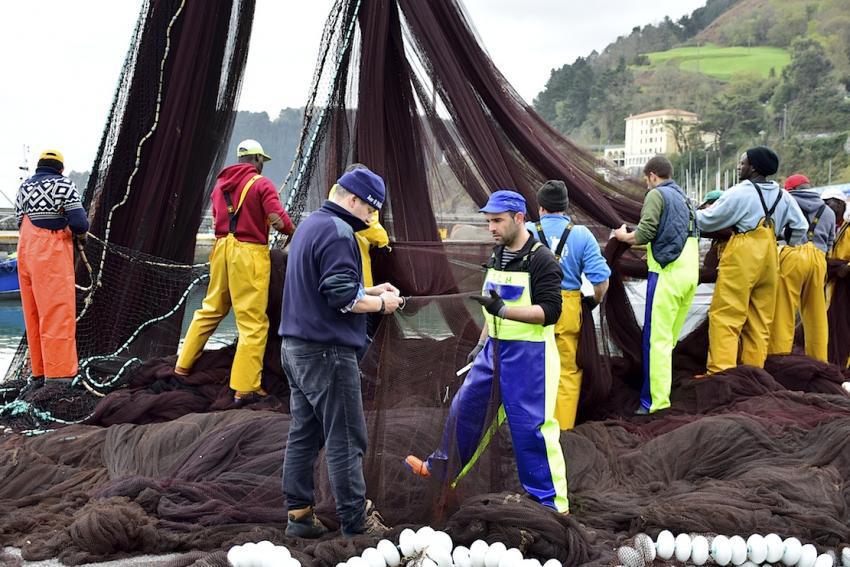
(50, 200)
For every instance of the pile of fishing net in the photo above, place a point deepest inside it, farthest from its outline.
(141, 461)
(740, 453)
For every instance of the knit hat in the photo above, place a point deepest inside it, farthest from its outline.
(763, 159)
(795, 181)
(553, 196)
(366, 185)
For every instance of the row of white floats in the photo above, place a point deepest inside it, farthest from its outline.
(424, 548)
(722, 550)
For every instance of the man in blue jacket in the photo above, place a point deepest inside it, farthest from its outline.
(577, 251)
(323, 324)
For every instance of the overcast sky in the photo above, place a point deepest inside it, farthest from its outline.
(61, 59)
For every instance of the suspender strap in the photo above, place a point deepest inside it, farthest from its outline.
(768, 213)
(540, 236)
(234, 213)
(814, 222)
(560, 248)
(526, 260)
(566, 234)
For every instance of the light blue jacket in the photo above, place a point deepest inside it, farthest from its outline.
(739, 207)
(581, 253)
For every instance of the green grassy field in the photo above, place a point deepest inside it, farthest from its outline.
(724, 62)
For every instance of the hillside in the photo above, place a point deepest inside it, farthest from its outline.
(724, 63)
(774, 71)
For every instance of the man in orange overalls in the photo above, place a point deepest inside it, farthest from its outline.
(50, 216)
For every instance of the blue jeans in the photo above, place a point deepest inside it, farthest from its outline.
(327, 411)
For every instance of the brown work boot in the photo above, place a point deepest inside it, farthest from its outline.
(304, 523)
(373, 525)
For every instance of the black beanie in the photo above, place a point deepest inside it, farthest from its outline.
(553, 197)
(764, 160)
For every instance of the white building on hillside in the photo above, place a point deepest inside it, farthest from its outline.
(653, 133)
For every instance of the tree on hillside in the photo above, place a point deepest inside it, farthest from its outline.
(570, 85)
(573, 104)
(703, 17)
(610, 103)
(734, 114)
(686, 135)
(811, 92)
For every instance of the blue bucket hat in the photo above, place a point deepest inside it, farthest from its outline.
(365, 184)
(503, 201)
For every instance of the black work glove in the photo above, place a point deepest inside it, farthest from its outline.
(492, 304)
(589, 301)
(843, 271)
(474, 352)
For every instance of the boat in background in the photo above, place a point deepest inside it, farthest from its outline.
(9, 286)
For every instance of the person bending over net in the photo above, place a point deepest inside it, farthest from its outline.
(244, 204)
(521, 302)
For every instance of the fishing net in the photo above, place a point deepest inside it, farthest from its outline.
(161, 464)
(146, 195)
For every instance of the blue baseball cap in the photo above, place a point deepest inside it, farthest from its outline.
(365, 184)
(503, 201)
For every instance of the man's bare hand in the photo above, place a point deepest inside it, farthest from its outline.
(391, 302)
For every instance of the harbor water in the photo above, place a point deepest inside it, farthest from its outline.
(12, 327)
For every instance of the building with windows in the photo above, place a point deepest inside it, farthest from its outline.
(653, 133)
(615, 155)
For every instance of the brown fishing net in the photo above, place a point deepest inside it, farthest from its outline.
(162, 464)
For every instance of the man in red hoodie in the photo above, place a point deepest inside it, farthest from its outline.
(244, 205)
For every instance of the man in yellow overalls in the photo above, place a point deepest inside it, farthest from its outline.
(742, 308)
(840, 252)
(244, 205)
(802, 276)
(522, 301)
(836, 201)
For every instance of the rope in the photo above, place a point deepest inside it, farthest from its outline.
(308, 155)
(85, 260)
(85, 363)
(141, 143)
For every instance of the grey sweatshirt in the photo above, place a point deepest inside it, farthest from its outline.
(824, 232)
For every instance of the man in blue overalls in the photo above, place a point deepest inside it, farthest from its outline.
(521, 302)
